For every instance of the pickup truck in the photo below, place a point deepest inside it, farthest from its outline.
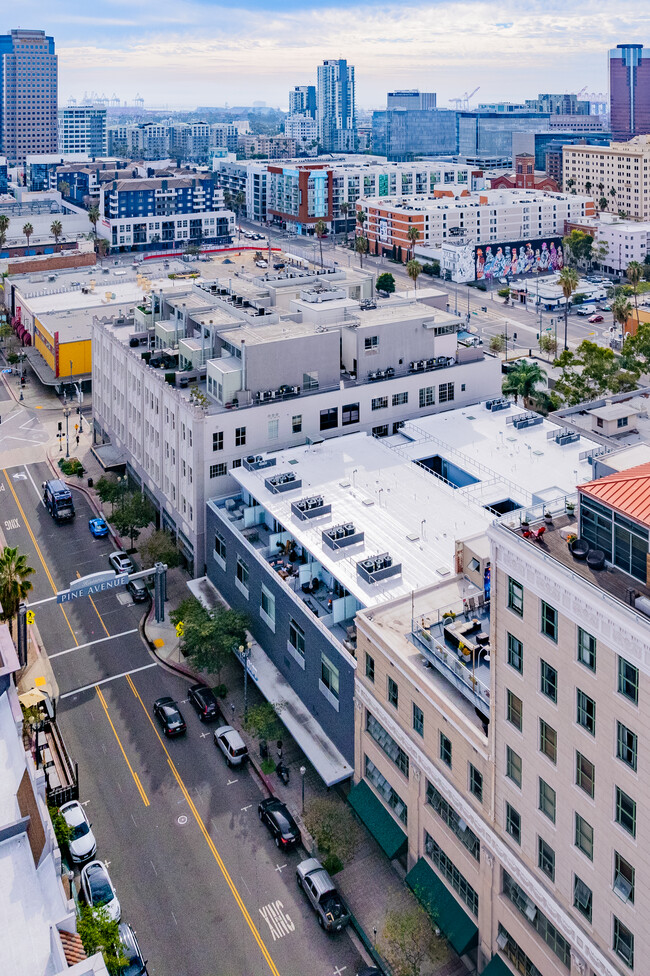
(331, 911)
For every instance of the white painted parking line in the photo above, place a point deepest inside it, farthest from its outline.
(231, 782)
(280, 868)
(38, 493)
(105, 681)
(244, 809)
(278, 921)
(100, 640)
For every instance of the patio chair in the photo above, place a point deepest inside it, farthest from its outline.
(537, 535)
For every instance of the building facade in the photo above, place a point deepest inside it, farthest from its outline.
(404, 134)
(82, 129)
(617, 173)
(28, 94)
(303, 129)
(629, 91)
(411, 98)
(302, 100)
(336, 113)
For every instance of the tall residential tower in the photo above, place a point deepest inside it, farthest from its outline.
(335, 106)
(28, 94)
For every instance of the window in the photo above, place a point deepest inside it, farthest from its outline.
(582, 897)
(513, 823)
(296, 423)
(514, 711)
(273, 428)
(371, 343)
(310, 380)
(370, 668)
(240, 436)
(449, 871)
(296, 637)
(386, 791)
(329, 419)
(217, 441)
(393, 692)
(515, 596)
(549, 621)
(628, 680)
(623, 944)
(445, 392)
(626, 741)
(418, 720)
(547, 800)
(546, 858)
(218, 470)
(456, 824)
(585, 774)
(548, 681)
(241, 576)
(220, 549)
(400, 399)
(625, 811)
(584, 837)
(427, 396)
(513, 766)
(622, 421)
(349, 414)
(381, 431)
(586, 712)
(623, 878)
(476, 783)
(387, 743)
(267, 608)
(445, 749)
(515, 654)
(586, 649)
(329, 677)
(379, 403)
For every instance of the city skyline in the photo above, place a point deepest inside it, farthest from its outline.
(238, 59)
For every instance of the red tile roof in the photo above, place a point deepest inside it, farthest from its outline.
(72, 947)
(626, 491)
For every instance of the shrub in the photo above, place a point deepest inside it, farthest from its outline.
(332, 864)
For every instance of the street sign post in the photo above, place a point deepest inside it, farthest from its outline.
(95, 583)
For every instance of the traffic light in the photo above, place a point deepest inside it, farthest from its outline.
(29, 616)
(60, 426)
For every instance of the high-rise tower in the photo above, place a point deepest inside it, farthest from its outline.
(629, 91)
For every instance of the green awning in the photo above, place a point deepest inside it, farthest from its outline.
(378, 820)
(443, 907)
(496, 967)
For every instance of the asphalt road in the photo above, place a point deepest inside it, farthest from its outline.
(196, 873)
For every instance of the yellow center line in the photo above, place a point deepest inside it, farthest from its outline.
(135, 776)
(209, 841)
(38, 552)
(95, 609)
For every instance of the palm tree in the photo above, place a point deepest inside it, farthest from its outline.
(412, 234)
(14, 584)
(4, 227)
(612, 193)
(227, 199)
(320, 229)
(361, 247)
(239, 201)
(57, 230)
(523, 379)
(600, 187)
(64, 188)
(93, 217)
(634, 274)
(361, 219)
(622, 311)
(588, 186)
(28, 230)
(344, 209)
(568, 282)
(602, 203)
(414, 270)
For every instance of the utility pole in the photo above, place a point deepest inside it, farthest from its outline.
(66, 414)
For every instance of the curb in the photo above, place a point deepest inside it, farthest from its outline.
(90, 496)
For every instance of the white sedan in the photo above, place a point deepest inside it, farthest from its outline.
(98, 889)
(81, 842)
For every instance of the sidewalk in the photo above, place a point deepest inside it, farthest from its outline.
(369, 884)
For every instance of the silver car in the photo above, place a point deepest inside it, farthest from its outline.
(231, 744)
(331, 910)
(120, 562)
(81, 841)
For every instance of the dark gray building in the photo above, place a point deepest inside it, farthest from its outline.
(489, 135)
(403, 134)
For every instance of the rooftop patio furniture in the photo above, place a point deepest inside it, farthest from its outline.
(596, 559)
(538, 533)
(579, 548)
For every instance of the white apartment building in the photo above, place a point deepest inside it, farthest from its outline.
(618, 173)
(302, 128)
(626, 240)
(82, 129)
(276, 360)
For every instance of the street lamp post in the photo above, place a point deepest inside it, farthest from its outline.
(245, 653)
(303, 770)
(66, 414)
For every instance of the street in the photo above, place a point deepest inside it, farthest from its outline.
(196, 873)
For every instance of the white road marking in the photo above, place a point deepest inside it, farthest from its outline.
(205, 735)
(104, 681)
(337, 971)
(247, 808)
(278, 921)
(280, 868)
(246, 886)
(231, 781)
(174, 917)
(19, 476)
(100, 640)
(133, 819)
(182, 820)
(38, 494)
(154, 868)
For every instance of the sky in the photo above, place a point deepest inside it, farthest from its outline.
(185, 53)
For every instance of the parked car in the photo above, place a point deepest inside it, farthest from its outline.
(98, 889)
(261, 264)
(203, 700)
(98, 527)
(370, 971)
(595, 318)
(135, 964)
(121, 562)
(169, 716)
(284, 829)
(331, 910)
(138, 590)
(584, 311)
(231, 744)
(278, 265)
(604, 308)
(81, 842)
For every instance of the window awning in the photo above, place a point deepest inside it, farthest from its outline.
(443, 907)
(496, 967)
(375, 816)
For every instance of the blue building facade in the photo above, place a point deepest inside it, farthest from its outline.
(404, 134)
(4, 177)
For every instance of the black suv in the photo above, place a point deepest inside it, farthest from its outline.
(284, 829)
(167, 712)
(203, 700)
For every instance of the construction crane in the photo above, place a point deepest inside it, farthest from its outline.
(463, 102)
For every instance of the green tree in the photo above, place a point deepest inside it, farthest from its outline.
(102, 247)
(189, 612)
(333, 827)
(94, 216)
(62, 831)
(386, 282)
(414, 270)
(160, 547)
(108, 490)
(568, 282)
(547, 344)
(577, 245)
(134, 511)
(594, 371)
(262, 720)
(5, 332)
(344, 209)
(4, 227)
(320, 229)
(210, 644)
(497, 343)
(621, 311)
(361, 247)
(361, 219)
(588, 185)
(523, 379)
(14, 581)
(227, 199)
(407, 940)
(64, 188)
(28, 230)
(413, 235)
(57, 230)
(602, 203)
(634, 274)
(99, 933)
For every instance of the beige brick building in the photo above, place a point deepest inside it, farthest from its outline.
(618, 172)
